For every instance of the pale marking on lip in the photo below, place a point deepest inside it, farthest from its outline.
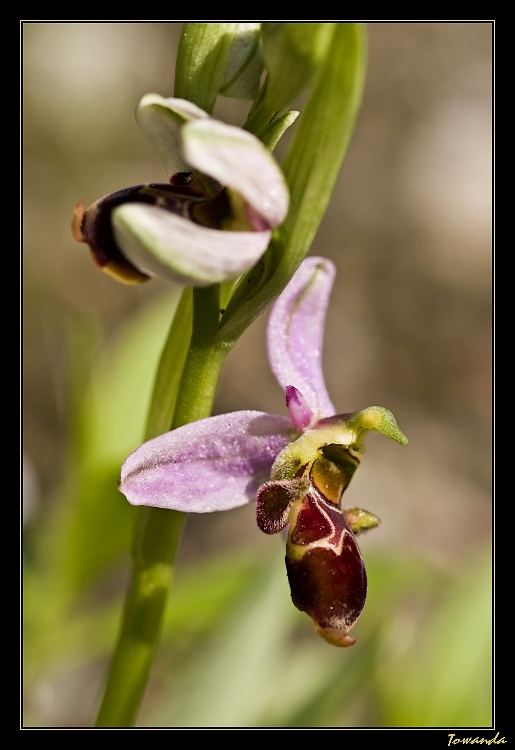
(328, 542)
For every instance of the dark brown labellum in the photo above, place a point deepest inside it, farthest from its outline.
(325, 569)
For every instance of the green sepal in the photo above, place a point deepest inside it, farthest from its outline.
(376, 419)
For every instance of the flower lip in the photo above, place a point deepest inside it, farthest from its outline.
(325, 569)
(93, 226)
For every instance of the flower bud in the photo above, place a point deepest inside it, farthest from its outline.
(211, 224)
(218, 58)
(292, 53)
(245, 64)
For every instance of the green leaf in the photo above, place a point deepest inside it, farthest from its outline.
(276, 129)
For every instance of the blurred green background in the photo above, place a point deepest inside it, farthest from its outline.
(409, 229)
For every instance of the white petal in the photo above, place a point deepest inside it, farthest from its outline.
(161, 121)
(160, 243)
(240, 161)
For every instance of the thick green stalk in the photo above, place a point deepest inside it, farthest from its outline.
(157, 531)
(157, 536)
(170, 368)
(204, 360)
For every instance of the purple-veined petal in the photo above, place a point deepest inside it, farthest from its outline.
(238, 160)
(160, 243)
(161, 121)
(296, 330)
(214, 464)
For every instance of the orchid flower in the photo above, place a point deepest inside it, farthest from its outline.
(210, 224)
(299, 466)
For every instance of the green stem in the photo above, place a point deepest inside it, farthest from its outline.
(157, 531)
(170, 369)
(157, 535)
(204, 360)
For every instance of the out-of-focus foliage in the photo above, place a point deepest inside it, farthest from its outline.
(235, 652)
(408, 327)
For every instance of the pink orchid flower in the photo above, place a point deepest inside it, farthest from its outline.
(298, 467)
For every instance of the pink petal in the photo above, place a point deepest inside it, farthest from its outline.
(296, 331)
(214, 464)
